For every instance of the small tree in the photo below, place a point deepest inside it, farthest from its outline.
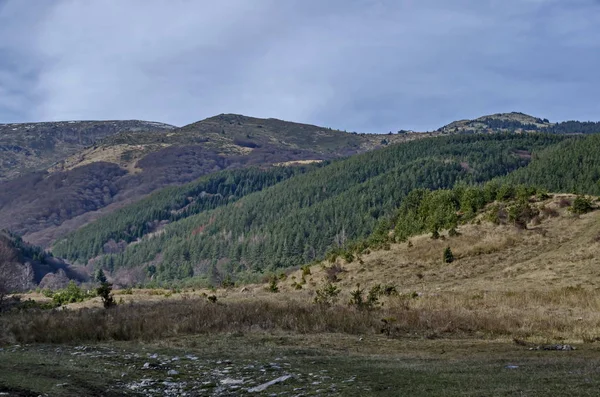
(448, 256)
(105, 293)
(99, 276)
(328, 295)
(273, 285)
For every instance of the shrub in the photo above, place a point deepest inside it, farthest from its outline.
(71, 294)
(305, 270)
(581, 205)
(448, 256)
(389, 290)
(296, 286)
(521, 213)
(356, 297)
(348, 256)
(328, 295)
(272, 287)
(227, 282)
(372, 300)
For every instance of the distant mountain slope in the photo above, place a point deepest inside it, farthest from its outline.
(24, 267)
(299, 219)
(518, 122)
(123, 167)
(124, 161)
(30, 147)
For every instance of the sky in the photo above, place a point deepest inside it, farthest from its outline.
(357, 65)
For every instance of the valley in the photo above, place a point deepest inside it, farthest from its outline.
(282, 266)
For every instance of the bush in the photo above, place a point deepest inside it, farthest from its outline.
(328, 295)
(521, 213)
(357, 298)
(273, 285)
(581, 205)
(306, 270)
(448, 256)
(71, 294)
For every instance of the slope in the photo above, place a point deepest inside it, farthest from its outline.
(36, 146)
(518, 122)
(23, 267)
(298, 220)
(126, 166)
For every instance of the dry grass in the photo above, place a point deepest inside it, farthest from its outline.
(571, 314)
(539, 283)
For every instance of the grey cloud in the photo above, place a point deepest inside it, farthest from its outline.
(363, 65)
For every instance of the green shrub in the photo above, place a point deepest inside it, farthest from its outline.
(272, 287)
(328, 295)
(581, 205)
(71, 294)
(448, 256)
(306, 270)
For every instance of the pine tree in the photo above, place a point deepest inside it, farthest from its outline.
(448, 255)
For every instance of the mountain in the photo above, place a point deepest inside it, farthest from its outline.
(518, 122)
(126, 165)
(299, 219)
(36, 146)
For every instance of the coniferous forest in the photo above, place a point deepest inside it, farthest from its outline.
(243, 222)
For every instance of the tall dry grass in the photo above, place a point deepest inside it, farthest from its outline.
(562, 314)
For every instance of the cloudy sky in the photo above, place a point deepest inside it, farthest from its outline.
(360, 65)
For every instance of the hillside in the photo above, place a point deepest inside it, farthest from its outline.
(124, 167)
(518, 122)
(298, 220)
(88, 169)
(24, 267)
(33, 147)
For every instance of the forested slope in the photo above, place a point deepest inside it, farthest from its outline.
(298, 220)
(170, 204)
(571, 167)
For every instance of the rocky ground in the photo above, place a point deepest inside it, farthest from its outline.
(298, 365)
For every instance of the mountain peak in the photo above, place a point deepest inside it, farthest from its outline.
(497, 122)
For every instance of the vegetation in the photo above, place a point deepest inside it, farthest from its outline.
(581, 205)
(168, 205)
(573, 166)
(104, 291)
(448, 257)
(71, 294)
(300, 219)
